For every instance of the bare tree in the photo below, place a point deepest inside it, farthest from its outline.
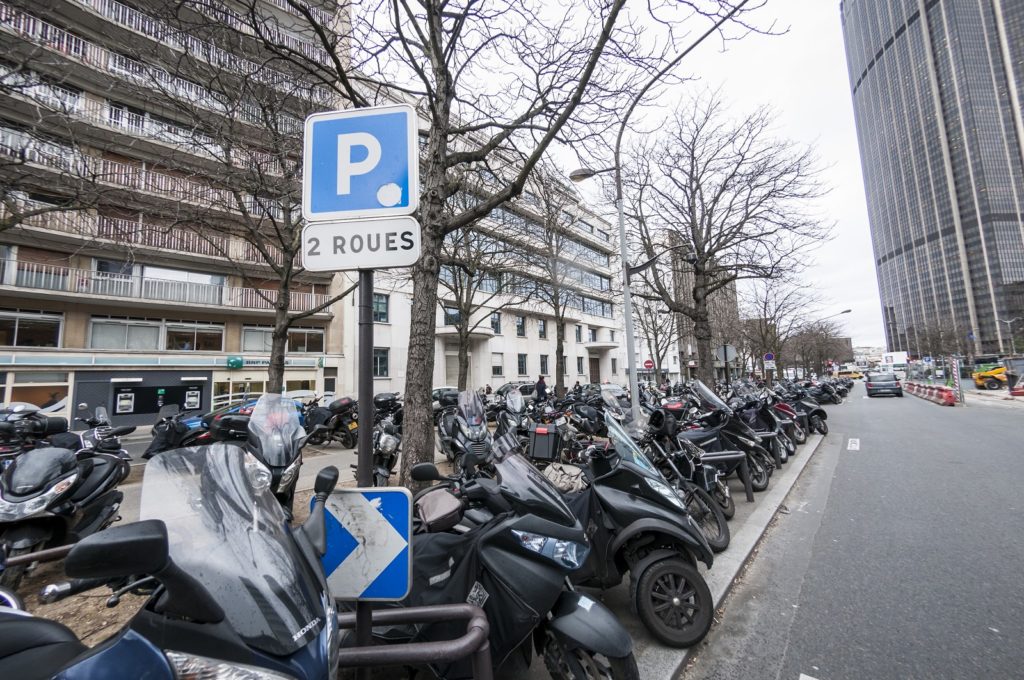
(774, 310)
(480, 275)
(731, 197)
(815, 344)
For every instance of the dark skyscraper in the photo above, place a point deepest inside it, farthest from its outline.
(937, 90)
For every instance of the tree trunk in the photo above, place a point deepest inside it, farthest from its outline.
(418, 425)
(463, 357)
(702, 331)
(559, 362)
(278, 342)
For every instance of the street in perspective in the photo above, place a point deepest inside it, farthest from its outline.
(511, 339)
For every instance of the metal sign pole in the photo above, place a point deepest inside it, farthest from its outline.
(364, 446)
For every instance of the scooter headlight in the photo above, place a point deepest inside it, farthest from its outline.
(289, 475)
(188, 666)
(388, 444)
(666, 491)
(568, 554)
(259, 476)
(12, 512)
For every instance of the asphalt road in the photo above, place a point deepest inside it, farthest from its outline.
(900, 556)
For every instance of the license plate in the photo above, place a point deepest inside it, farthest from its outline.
(353, 425)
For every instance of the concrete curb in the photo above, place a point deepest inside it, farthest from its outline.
(730, 563)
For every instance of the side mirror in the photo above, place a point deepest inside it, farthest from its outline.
(137, 548)
(326, 480)
(425, 472)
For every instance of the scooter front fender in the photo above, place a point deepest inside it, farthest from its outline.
(582, 622)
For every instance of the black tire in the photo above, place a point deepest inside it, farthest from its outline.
(836, 399)
(709, 517)
(9, 598)
(758, 474)
(346, 439)
(674, 602)
(799, 434)
(11, 576)
(819, 424)
(726, 503)
(583, 664)
(318, 439)
(993, 384)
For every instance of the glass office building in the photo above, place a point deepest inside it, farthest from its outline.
(936, 88)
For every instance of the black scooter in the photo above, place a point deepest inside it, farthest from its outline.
(508, 545)
(638, 524)
(53, 496)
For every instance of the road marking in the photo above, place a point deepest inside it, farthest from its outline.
(806, 677)
(853, 445)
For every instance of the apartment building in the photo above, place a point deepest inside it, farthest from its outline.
(147, 295)
(509, 341)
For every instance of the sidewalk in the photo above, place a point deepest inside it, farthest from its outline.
(992, 399)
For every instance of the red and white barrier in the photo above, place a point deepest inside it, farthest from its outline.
(939, 394)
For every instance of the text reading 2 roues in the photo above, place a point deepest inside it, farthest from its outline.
(340, 246)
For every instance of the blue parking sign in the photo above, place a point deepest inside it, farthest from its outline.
(360, 163)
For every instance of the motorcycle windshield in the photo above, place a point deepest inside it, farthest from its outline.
(226, 530)
(707, 396)
(627, 448)
(471, 408)
(520, 480)
(274, 427)
(514, 401)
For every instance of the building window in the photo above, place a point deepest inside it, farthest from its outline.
(380, 362)
(593, 333)
(256, 339)
(521, 326)
(306, 340)
(579, 333)
(544, 364)
(615, 366)
(542, 328)
(380, 308)
(30, 329)
(194, 337)
(497, 364)
(451, 316)
(612, 331)
(125, 334)
(49, 390)
(521, 364)
(579, 365)
(496, 322)
(565, 364)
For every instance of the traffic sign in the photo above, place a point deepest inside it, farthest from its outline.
(726, 353)
(769, 356)
(360, 244)
(368, 553)
(360, 163)
(769, 365)
(648, 364)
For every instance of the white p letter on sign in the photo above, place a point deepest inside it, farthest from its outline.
(347, 169)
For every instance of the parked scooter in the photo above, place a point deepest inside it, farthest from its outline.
(463, 429)
(53, 496)
(513, 562)
(171, 431)
(387, 440)
(339, 421)
(234, 592)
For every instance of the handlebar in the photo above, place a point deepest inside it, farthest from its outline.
(55, 592)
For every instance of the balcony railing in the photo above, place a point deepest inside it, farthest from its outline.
(20, 145)
(57, 278)
(150, 77)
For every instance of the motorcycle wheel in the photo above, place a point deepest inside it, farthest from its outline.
(799, 435)
(583, 664)
(674, 602)
(726, 503)
(11, 576)
(820, 424)
(346, 439)
(9, 598)
(318, 439)
(758, 474)
(836, 399)
(709, 518)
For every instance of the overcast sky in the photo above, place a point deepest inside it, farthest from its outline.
(802, 75)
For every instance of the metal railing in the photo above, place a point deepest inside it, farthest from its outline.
(58, 278)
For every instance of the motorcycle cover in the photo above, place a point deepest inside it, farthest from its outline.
(446, 570)
(166, 436)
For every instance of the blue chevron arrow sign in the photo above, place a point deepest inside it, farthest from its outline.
(368, 553)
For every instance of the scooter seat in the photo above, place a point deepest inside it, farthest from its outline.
(31, 647)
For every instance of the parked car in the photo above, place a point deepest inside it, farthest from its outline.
(527, 388)
(883, 383)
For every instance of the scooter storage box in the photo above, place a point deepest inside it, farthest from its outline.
(545, 443)
(438, 510)
(341, 405)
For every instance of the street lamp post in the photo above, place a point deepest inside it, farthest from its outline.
(585, 173)
(1009, 327)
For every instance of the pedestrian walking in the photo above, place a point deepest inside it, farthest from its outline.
(487, 390)
(542, 389)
